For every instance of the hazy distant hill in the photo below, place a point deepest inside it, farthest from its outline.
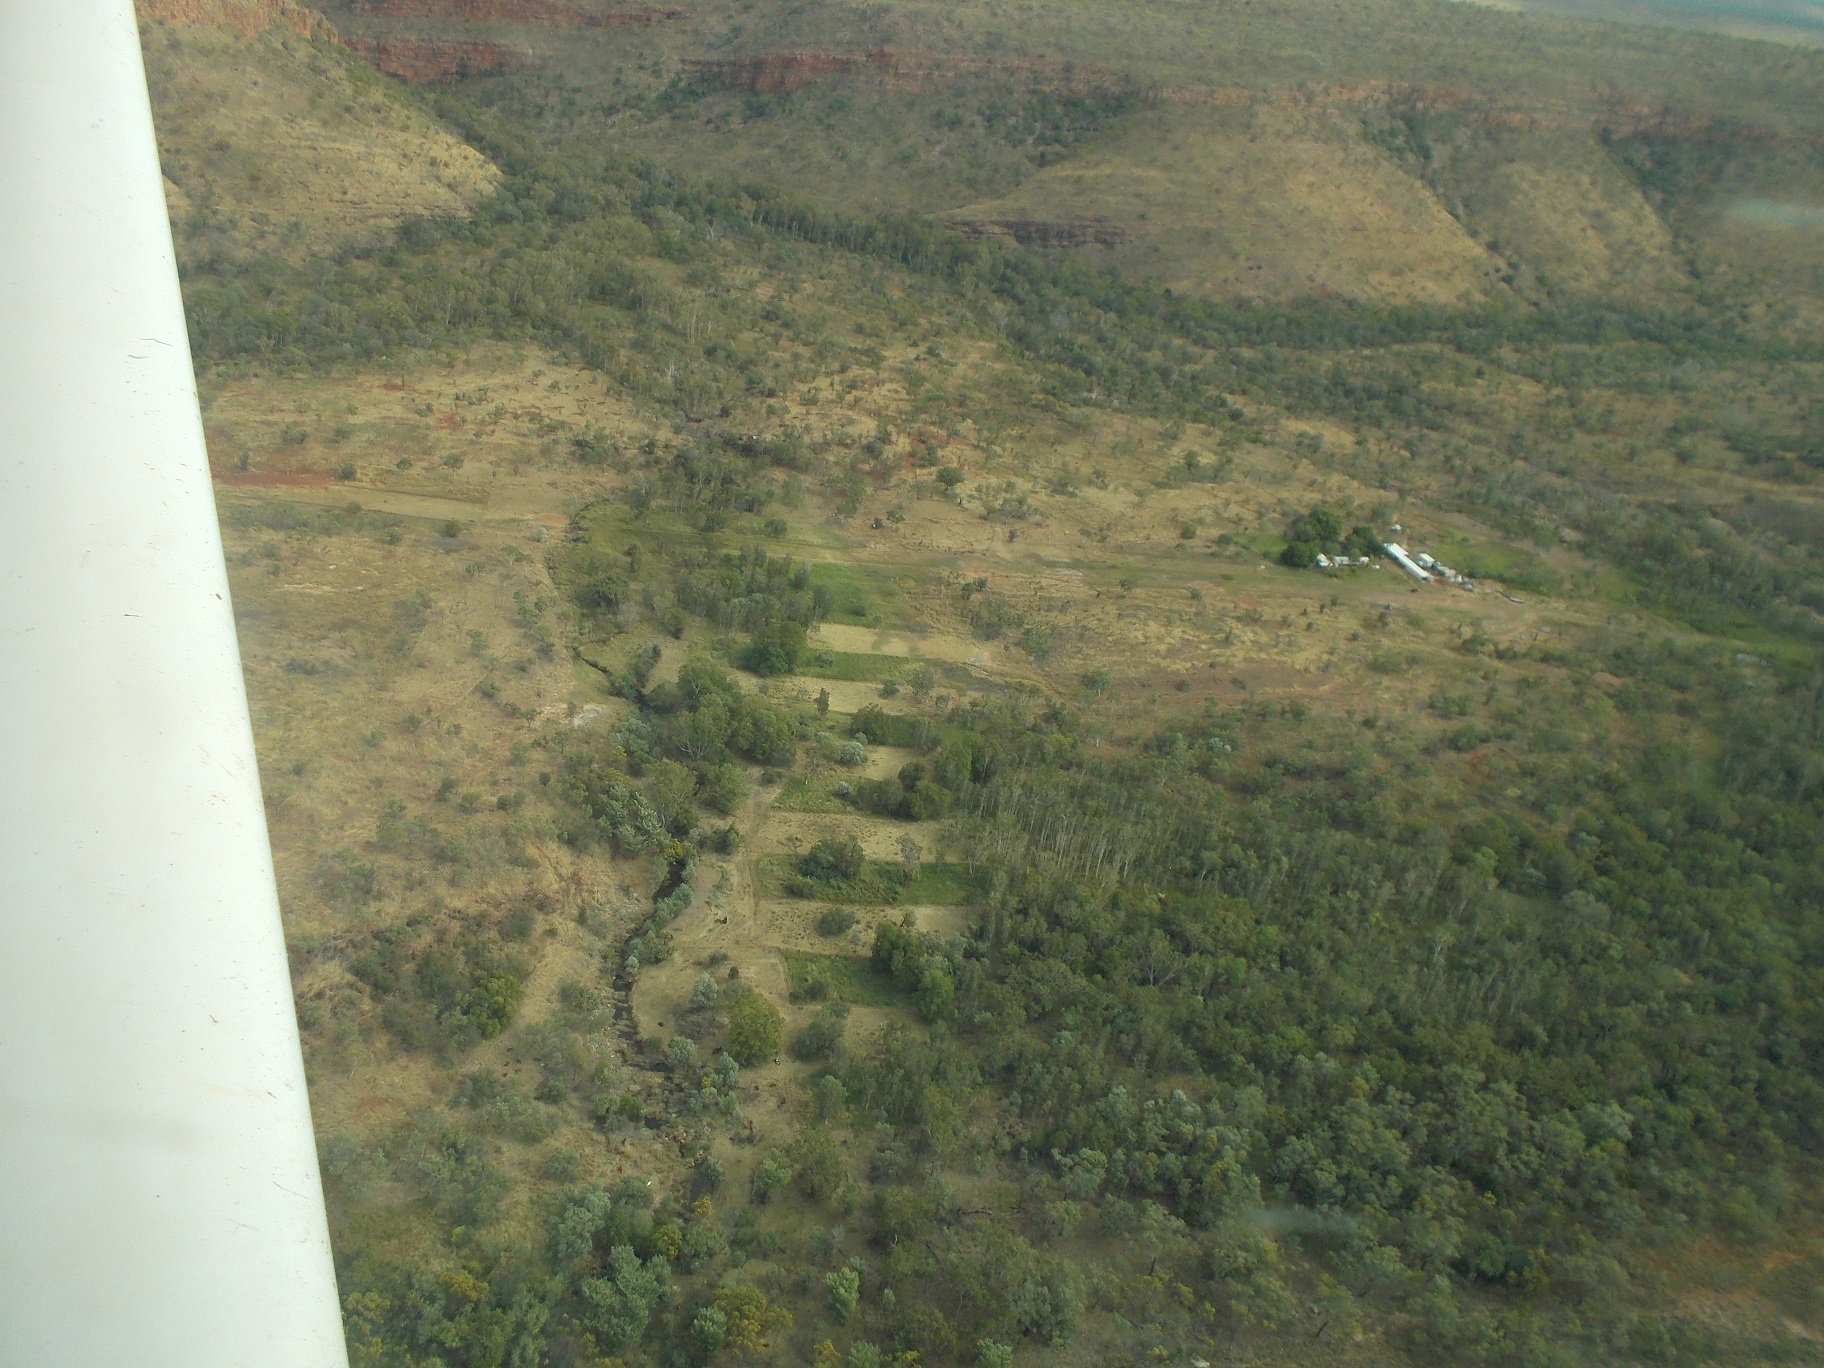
(1787, 21)
(1389, 151)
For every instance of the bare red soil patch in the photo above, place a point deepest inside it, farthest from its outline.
(422, 61)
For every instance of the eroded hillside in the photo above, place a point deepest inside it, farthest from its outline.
(1396, 161)
(276, 139)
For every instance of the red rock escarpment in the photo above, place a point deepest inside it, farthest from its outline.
(422, 61)
(768, 73)
(243, 17)
(532, 13)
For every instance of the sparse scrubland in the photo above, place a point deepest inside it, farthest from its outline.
(827, 810)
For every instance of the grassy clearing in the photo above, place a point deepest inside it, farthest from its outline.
(840, 978)
(803, 795)
(942, 884)
(854, 668)
(865, 596)
(937, 884)
(770, 874)
(1483, 559)
(615, 525)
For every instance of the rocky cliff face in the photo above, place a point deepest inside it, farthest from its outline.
(770, 72)
(423, 61)
(242, 17)
(532, 13)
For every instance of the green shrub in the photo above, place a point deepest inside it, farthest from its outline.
(820, 1039)
(832, 859)
(775, 649)
(490, 1003)
(770, 1174)
(722, 788)
(755, 1028)
(844, 1289)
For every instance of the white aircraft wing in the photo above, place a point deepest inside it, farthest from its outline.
(159, 1196)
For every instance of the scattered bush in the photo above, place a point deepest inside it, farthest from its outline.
(820, 1039)
(755, 1028)
(775, 649)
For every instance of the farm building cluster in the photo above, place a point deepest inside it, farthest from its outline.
(1424, 567)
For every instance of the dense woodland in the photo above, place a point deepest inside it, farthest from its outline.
(1251, 1039)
